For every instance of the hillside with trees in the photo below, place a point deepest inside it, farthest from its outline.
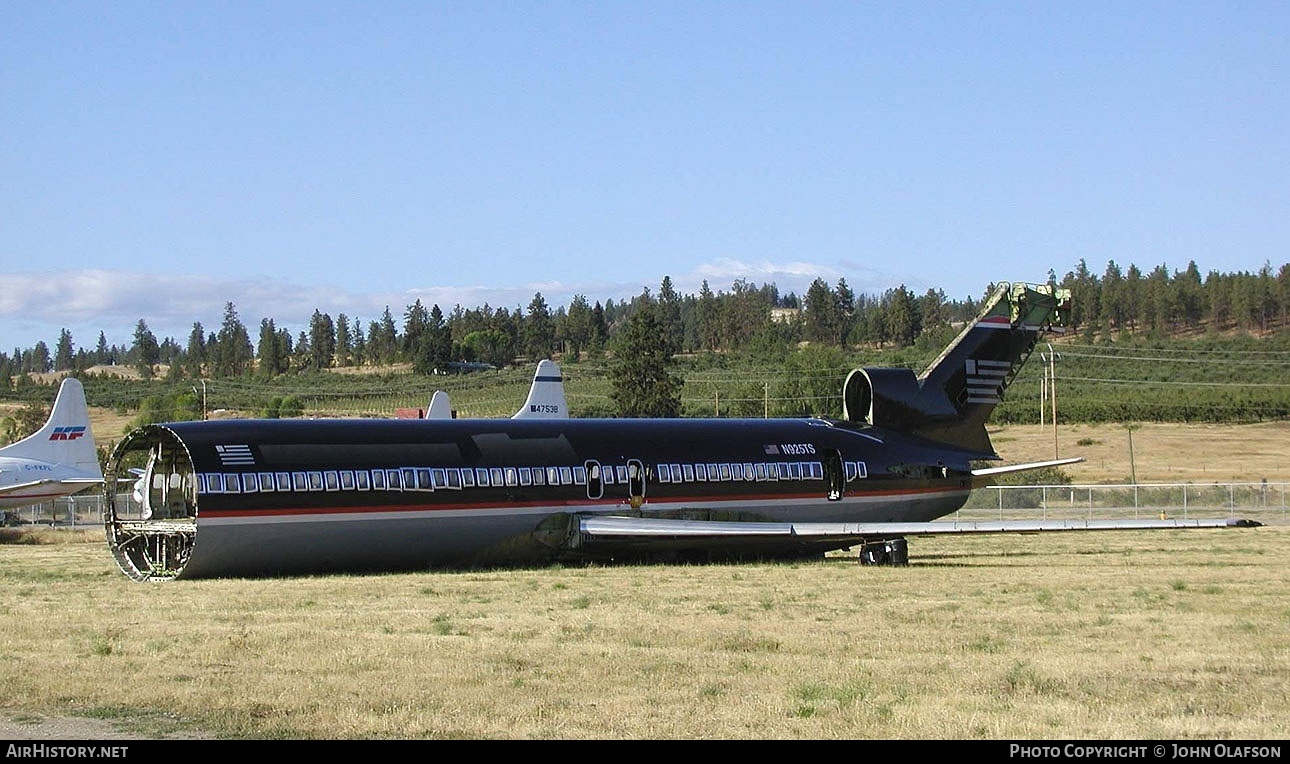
(1156, 345)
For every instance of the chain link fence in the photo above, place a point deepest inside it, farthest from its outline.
(1262, 501)
(79, 511)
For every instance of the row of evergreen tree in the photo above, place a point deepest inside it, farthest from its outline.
(747, 316)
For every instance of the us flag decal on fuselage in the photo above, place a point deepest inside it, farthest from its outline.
(985, 380)
(233, 455)
(67, 433)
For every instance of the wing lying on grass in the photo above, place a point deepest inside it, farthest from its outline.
(611, 532)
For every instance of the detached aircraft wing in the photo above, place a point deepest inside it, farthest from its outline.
(623, 533)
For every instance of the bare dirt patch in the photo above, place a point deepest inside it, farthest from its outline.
(79, 728)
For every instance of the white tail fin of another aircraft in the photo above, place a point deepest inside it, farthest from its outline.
(546, 396)
(59, 459)
(440, 407)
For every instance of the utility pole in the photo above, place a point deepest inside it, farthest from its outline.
(1052, 376)
(1043, 392)
(1133, 472)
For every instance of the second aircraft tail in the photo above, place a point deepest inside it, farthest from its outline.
(66, 437)
(546, 396)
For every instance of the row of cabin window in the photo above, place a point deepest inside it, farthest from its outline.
(451, 478)
(688, 473)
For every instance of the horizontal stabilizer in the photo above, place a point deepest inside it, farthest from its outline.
(1010, 468)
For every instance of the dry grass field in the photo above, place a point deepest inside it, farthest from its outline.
(1126, 635)
(1122, 635)
(1155, 452)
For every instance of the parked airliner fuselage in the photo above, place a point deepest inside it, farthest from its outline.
(391, 494)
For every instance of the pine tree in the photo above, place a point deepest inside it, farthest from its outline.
(643, 385)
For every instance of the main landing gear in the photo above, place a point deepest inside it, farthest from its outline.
(885, 552)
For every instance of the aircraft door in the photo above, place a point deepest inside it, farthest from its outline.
(635, 483)
(834, 476)
(595, 483)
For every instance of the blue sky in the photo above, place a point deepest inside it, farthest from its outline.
(158, 160)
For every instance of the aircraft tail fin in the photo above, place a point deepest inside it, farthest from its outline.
(546, 396)
(66, 437)
(953, 398)
(440, 407)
